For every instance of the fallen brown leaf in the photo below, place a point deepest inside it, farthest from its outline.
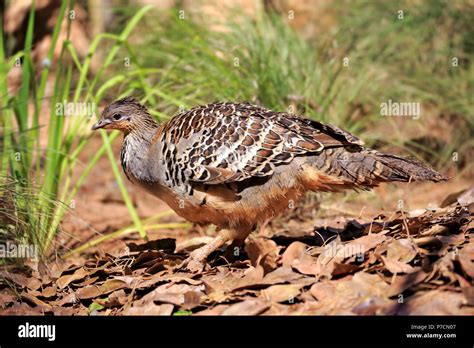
(111, 285)
(247, 307)
(215, 310)
(263, 252)
(7, 296)
(89, 291)
(281, 292)
(150, 309)
(18, 278)
(115, 299)
(345, 295)
(183, 295)
(402, 250)
(87, 281)
(435, 302)
(251, 279)
(297, 257)
(65, 280)
(394, 266)
(465, 258)
(282, 275)
(33, 299)
(404, 282)
(50, 291)
(362, 245)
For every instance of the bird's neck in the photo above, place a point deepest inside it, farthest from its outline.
(143, 136)
(142, 128)
(134, 154)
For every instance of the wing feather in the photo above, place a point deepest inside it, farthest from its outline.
(227, 142)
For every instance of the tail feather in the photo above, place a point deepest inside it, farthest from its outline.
(406, 169)
(367, 168)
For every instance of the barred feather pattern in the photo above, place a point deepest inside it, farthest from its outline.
(226, 142)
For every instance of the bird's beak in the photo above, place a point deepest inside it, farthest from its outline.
(101, 124)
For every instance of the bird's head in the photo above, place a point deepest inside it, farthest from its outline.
(126, 115)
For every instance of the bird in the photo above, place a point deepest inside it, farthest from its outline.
(235, 165)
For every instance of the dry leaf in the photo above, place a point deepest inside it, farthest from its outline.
(402, 250)
(435, 302)
(33, 299)
(292, 309)
(465, 258)
(7, 296)
(247, 307)
(322, 290)
(79, 274)
(281, 275)
(251, 279)
(296, 250)
(17, 278)
(404, 282)
(89, 291)
(193, 243)
(150, 309)
(263, 252)
(396, 266)
(33, 283)
(115, 299)
(184, 295)
(281, 292)
(362, 245)
(468, 293)
(50, 291)
(87, 281)
(297, 257)
(216, 310)
(345, 295)
(111, 285)
(341, 282)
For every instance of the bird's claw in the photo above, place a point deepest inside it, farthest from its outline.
(191, 264)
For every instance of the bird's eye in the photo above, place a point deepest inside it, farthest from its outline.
(117, 117)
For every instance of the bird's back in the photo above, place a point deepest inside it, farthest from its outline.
(228, 142)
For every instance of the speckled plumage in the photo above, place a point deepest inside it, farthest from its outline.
(234, 165)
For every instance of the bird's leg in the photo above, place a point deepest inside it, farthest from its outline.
(263, 225)
(196, 260)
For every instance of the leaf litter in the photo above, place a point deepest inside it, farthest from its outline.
(413, 263)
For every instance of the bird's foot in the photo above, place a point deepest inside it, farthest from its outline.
(195, 263)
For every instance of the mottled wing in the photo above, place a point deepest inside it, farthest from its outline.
(224, 142)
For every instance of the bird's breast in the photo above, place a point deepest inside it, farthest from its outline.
(228, 206)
